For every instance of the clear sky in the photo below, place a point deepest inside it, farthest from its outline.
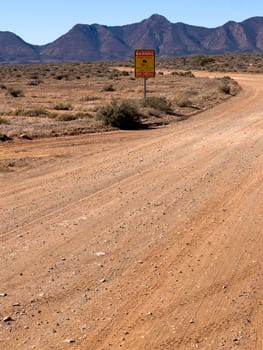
(42, 21)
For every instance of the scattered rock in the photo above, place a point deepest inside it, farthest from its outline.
(25, 137)
(8, 319)
(70, 341)
(103, 280)
(2, 295)
(16, 304)
(100, 253)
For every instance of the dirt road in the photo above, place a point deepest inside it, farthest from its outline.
(137, 240)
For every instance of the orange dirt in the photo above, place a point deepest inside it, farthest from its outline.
(137, 240)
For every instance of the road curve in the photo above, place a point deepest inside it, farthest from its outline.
(137, 240)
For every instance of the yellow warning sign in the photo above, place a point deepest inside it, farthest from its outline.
(144, 63)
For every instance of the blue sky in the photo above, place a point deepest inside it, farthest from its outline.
(40, 22)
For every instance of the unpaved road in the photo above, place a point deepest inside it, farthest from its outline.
(137, 240)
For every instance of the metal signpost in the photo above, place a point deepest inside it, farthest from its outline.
(144, 65)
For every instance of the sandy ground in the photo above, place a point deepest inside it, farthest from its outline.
(137, 240)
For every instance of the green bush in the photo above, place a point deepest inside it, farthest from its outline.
(123, 115)
(159, 103)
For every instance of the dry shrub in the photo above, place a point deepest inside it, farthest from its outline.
(122, 115)
(3, 121)
(65, 117)
(183, 101)
(187, 73)
(228, 86)
(108, 88)
(63, 107)
(34, 82)
(89, 98)
(159, 103)
(14, 92)
(4, 138)
(32, 112)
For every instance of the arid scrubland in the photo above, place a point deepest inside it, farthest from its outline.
(66, 99)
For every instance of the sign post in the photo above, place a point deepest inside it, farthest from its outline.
(144, 65)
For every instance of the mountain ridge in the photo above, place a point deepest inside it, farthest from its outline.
(94, 42)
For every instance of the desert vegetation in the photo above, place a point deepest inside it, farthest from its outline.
(43, 100)
(122, 115)
(247, 63)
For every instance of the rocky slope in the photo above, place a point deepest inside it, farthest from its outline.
(99, 42)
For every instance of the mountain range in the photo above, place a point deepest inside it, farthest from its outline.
(100, 42)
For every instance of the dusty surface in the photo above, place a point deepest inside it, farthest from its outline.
(137, 240)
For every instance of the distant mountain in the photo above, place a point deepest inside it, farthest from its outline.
(99, 42)
(14, 49)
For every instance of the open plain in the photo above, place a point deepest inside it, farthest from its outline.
(140, 240)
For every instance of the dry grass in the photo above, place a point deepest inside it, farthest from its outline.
(63, 99)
